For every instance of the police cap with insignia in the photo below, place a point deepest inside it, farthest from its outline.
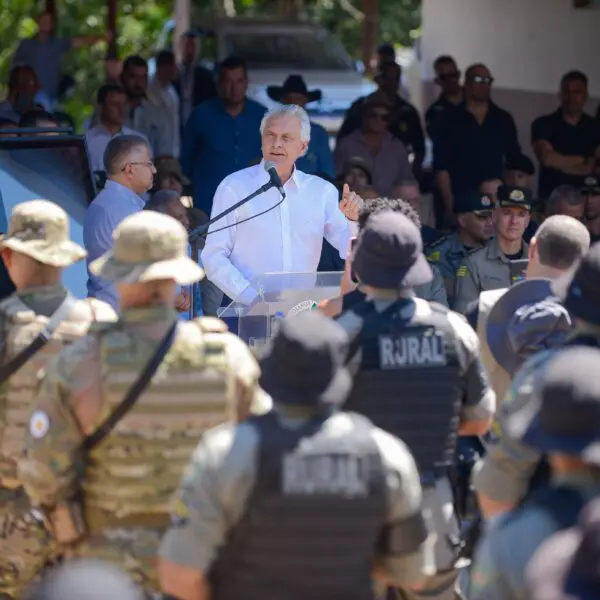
(389, 253)
(524, 320)
(304, 364)
(563, 414)
(580, 291)
(473, 201)
(510, 195)
(591, 185)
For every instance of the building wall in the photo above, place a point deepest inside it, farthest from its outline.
(527, 44)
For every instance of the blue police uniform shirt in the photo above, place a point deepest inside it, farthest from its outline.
(318, 157)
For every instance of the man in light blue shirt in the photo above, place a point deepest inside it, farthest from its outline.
(130, 172)
(318, 158)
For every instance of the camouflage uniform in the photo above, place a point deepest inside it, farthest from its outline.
(113, 503)
(38, 229)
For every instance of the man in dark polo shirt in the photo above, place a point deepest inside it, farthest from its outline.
(567, 141)
(447, 77)
(475, 143)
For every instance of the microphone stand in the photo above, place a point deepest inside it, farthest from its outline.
(196, 234)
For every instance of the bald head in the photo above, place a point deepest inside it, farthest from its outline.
(560, 242)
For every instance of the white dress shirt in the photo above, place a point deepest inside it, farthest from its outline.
(166, 99)
(288, 239)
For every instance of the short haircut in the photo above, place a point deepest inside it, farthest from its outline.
(440, 60)
(134, 61)
(31, 118)
(470, 70)
(161, 199)
(233, 62)
(563, 193)
(118, 149)
(574, 76)
(105, 90)
(291, 110)
(8, 123)
(561, 242)
(378, 205)
(164, 58)
(13, 77)
(386, 51)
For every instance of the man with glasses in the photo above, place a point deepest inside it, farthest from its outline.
(405, 123)
(475, 228)
(384, 155)
(567, 141)
(475, 143)
(130, 172)
(447, 77)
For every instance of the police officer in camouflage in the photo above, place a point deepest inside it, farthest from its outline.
(418, 374)
(304, 502)
(489, 268)
(475, 228)
(111, 500)
(36, 250)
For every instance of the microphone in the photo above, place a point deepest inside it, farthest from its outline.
(270, 168)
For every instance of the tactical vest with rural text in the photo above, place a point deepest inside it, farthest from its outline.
(408, 380)
(132, 474)
(19, 326)
(314, 518)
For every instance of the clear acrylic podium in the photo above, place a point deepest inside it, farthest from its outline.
(281, 295)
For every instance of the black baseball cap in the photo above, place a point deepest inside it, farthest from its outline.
(510, 195)
(580, 291)
(389, 253)
(563, 414)
(473, 201)
(520, 162)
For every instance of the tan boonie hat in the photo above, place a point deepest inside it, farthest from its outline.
(40, 229)
(148, 246)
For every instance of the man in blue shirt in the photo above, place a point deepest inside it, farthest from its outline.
(130, 173)
(222, 135)
(318, 157)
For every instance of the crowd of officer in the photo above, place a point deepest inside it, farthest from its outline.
(325, 469)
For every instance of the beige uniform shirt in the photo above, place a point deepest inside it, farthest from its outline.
(485, 269)
(221, 477)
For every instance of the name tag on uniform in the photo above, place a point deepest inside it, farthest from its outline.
(415, 350)
(334, 475)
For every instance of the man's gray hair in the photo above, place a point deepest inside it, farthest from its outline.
(118, 151)
(561, 242)
(289, 110)
(160, 200)
(563, 193)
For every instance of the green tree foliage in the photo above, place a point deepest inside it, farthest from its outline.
(140, 23)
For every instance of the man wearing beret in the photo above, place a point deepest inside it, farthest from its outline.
(489, 267)
(475, 228)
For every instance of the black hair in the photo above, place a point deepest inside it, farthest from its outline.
(378, 205)
(31, 118)
(470, 70)
(118, 149)
(440, 60)
(105, 90)
(165, 58)
(13, 77)
(134, 61)
(574, 76)
(233, 62)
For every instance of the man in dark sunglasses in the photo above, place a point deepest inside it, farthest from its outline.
(475, 142)
(447, 77)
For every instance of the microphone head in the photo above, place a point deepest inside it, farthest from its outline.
(268, 165)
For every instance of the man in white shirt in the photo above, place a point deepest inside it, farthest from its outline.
(289, 237)
(112, 112)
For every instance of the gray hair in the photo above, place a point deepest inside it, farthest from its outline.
(118, 150)
(561, 242)
(161, 199)
(289, 110)
(563, 193)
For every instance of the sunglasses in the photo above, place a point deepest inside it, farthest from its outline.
(381, 115)
(482, 79)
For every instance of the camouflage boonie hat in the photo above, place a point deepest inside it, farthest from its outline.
(40, 229)
(148, 246)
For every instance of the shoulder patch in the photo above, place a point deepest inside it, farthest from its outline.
(435, 256)
(462, 271)
(211, 325)
(436, 243)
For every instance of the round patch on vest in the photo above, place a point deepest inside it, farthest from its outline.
(39, 424)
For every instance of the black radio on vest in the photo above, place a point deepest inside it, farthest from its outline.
(408, 381)
(313, 518)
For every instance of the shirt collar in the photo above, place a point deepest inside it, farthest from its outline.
(296, 175)
(43, 291)
(149, 314)
(118, 188)
(494, 250)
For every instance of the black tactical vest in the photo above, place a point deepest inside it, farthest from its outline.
(314, 518)
(408, 380)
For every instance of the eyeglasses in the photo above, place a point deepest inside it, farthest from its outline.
(381, 115)
(482, 79)
(148, 164)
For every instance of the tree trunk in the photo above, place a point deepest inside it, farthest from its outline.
(289, 9)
